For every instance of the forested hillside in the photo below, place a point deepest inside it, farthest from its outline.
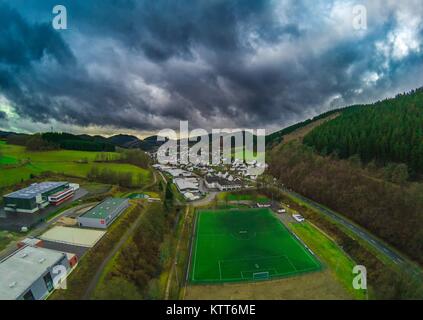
(277, 137)
(73, 142)
(387, 131)
(390, 211)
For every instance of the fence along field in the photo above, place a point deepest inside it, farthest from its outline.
(246, 245)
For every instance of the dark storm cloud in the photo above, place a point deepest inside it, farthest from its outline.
(147, 64)
(3, 115)
(21, 43)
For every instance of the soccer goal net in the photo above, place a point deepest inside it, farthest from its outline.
(260, 275)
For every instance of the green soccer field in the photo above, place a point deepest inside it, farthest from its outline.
(246, 245)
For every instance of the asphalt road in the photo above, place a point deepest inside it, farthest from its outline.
(359, 232)
(15, 221)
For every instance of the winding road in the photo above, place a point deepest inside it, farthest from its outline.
(359, 232)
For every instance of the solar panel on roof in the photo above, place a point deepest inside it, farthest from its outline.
(35, 189)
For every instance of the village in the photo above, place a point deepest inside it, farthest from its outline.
(194, 181)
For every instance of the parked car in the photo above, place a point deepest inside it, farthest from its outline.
(298, 217)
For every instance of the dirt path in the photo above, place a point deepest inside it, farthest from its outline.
(94, 281)
(153, 182)
(206, 200)
(175, 258)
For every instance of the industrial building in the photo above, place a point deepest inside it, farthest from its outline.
(29, 273)
(102, 215)
(38, 196)
(187, 184)
(63, 195)
(189, 187)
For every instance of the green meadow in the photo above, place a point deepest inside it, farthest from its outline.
(248, 155)
(17, 164)
(234, 196)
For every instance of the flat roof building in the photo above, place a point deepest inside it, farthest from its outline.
(28, 274)
(32, 198)
(178, 173)
(186, 184)
(103, 214)
(73, 236)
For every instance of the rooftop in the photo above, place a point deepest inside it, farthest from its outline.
(20, 270)
(34, 189)
(177, 172)
(73, 236)
(186, 183)
(103, 209)
(222, 181)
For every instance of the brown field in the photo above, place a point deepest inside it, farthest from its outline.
(318, 285)
(301, 132)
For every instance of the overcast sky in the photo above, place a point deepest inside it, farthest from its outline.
(141, 66)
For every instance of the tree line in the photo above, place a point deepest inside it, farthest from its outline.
(124, 179)
(387, 131)
(53, 141)
(135, 157)
(141, 261)
(33, 142)
(72, 142)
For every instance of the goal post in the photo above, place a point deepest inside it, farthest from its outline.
(261, 275)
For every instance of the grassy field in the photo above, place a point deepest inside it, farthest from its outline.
(231, 196)
(246, 197)
(7, 237)
(248, 155)
(75, 163)
(332, 255)
(246, 245)
(311, 286)
(8, 160)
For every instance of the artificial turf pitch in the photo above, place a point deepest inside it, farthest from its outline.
(246, 245)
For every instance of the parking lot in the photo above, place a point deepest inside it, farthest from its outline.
(14, 221)
(63, 247)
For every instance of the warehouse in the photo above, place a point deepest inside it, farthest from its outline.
(102, 215)
(63, 195)
(186, 184)
(35, 197)
(29, 273)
